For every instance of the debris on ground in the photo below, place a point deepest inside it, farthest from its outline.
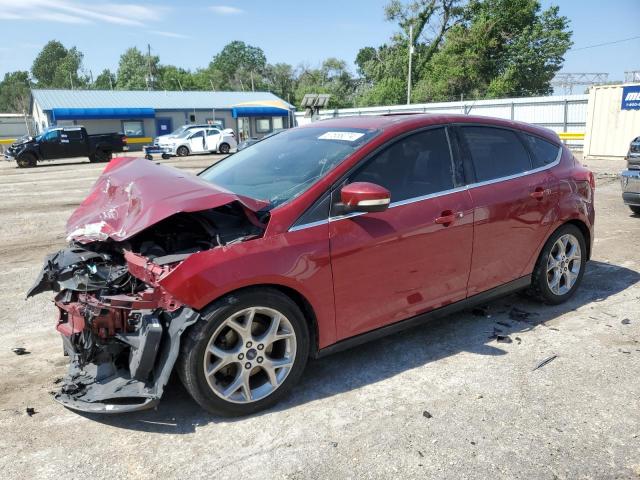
(57, 380)
(420, 453)
(518, 314)
(625, 321)
(31, 411)
(481, 312)
(519, 340)
(334, 444)
(426, 414)
(20, 351)
(503, 339)
(545, 361)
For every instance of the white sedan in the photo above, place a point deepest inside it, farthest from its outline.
(200, 140)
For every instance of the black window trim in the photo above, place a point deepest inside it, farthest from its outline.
(459, 154)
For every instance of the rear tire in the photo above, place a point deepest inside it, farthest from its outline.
(245, 353)
(27, 160)
(182, 151)
(635, 209)
(560, 266)
(224, 148)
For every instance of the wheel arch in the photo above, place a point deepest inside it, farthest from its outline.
(584, 230)
(298, 298)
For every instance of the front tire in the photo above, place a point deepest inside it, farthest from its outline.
(635, 209)
(182, 151)
(246, 352)
(560, 266)
(224, 148)
(27, 161)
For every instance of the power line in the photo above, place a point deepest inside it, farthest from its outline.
(605, 44)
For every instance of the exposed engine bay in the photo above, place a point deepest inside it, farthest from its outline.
(119, 325)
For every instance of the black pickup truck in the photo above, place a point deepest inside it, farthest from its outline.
(65, 142)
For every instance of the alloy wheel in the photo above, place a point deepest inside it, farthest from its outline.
(564, 264)
(250, 355)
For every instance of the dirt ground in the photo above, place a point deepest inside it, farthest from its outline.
(439, 401)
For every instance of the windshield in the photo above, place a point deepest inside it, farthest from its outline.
(180, 130)
(283, 166)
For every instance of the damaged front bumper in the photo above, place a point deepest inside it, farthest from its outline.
(102, 387)
(120, 329)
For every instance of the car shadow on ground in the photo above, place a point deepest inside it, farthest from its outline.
(470, 331)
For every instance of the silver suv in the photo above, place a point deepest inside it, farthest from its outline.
(630, 177)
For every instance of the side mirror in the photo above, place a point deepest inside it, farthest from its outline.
(365, 197)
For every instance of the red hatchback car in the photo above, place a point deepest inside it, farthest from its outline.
(314, 240)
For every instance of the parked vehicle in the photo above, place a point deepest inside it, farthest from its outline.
(180, 130)
(66, 142)
(314, 240)
(630, 177)
(253, 140)
(199, 140)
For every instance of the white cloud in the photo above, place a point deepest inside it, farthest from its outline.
(164, 33)
(226, 10)
(74, 12)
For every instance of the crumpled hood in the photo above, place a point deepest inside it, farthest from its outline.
(23, 141)
(133, 193)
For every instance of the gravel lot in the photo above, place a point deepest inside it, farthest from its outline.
(439, 401)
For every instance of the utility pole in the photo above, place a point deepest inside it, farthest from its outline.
(252, 89)
(179, 84)
(410, 62)
(212, 87)
(71, 80)
(149, 77)
(110, 81)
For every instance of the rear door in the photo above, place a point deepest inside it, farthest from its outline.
(74, 143)
(392, 265)
(512, 200)
(213, 139)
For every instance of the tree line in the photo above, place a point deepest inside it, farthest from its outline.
(460, 48)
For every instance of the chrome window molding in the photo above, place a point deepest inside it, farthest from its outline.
(436, 194)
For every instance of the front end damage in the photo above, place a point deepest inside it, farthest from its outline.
(119, 326)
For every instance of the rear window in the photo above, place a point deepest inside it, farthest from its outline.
(543, 152)
(495, 152)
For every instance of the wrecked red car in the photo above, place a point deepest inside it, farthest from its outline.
(311, 241)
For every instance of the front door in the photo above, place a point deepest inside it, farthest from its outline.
(51, 146)
(197, 142)
(416, 255)
(164, 126)
(512, 202)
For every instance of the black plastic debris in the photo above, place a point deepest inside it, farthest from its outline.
(519, 340)
(481, 311)
(518, 314)
(31, 411)
(20, 351)
(545, 362)
(333, 444)
(626, 321)
(426, 414)
(503, 339)
(57, 380)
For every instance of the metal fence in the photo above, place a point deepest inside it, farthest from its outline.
(566, 114)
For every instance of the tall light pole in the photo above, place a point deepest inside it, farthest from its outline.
(410, 62)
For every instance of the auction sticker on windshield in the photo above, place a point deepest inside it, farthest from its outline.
(347, 136)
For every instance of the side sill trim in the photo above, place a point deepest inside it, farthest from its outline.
(513, 286)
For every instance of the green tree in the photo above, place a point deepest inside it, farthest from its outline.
(333, 77)
(238, 66)
(281, 81)
(105, 81)
(175, 78)
(137, 71)
(59, 67)
(503, 48)
(15, 92)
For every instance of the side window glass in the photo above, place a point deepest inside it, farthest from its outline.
(415, 166)
(318, 212)
(198, 135)
(543, 152)
(495, 152)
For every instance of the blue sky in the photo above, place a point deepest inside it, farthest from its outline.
(189, 33)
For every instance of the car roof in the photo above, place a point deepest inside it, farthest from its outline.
(409, 121)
